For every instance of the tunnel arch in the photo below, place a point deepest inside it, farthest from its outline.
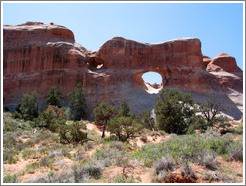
(140, 83)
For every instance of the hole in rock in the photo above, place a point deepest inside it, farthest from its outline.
(153, 82)
(95, 64)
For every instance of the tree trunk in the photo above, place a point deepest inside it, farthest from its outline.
(103, 132)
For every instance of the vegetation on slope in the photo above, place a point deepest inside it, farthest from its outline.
(57, 146)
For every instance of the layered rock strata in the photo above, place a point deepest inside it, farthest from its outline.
(37, 56)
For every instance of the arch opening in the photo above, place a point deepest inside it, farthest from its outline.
(153, 82)
(95, 63)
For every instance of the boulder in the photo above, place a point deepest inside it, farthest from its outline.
(223, 62)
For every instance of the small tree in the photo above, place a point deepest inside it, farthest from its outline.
(51, 118)
(148, 120)
(72, 133)
(78, 102)
(174, 112)
(29, 105)
(124, 127)
(125, 109)
(211, 112)
(54, 97)
(103, 114)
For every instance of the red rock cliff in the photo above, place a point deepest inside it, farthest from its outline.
(37, 56)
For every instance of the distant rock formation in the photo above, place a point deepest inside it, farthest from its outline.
(37, 56)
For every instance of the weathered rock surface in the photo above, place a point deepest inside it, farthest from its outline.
(206, 61)
(223, 62)
(37, 56)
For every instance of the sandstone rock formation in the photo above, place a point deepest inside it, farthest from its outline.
(223, 62)
(37, 56)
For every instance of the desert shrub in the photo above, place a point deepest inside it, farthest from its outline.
(144, 138)
(10, 179)
(42, 135)
(10, 140)
(216, 176)
(121, 178)
(202, 149)
(216, 142)
(29, 106)
(187, 172)
(54, 154)
(208, 159)
(44, 119)
(51, 118)
(110, 138)
(239, 129)
(166, 163)
(27, 153)
(80, 155)
(124, 127)
(199, 123)
(17, 115)
(149, 121)
(163, 175)
(89, 145)
(125, 109)
(72, 134)
(94, 136)
(46, 161)
(31, 169)
(108, 157)
(13, 125)
(9, 126)
(77, 102)
(10, 156)
(92, 169)
(236, 151)
(54, 97)
(112, 153)
(211, 112)
(117, 145)
(173, 111)
(66, 176)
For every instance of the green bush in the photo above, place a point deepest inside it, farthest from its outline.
(51, 118)
(174, 113)
(124, 127)
(201, 149)
(46, 161)
(164, 164)
(27, 153)
(10, 156)
(149, 121)
(77, 102)
(10, 140)
(29, 106)
(125, 109)
(54, 97)
(121, 178)
(236, 151)
(112, 153)
(239, 129)
(103, 114)
(72, 133)
(31, 169)
(10, 179)
(211, 112)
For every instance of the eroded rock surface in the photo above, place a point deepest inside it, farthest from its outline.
(37, 56)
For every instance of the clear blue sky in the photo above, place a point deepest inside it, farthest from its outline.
(219, 26)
